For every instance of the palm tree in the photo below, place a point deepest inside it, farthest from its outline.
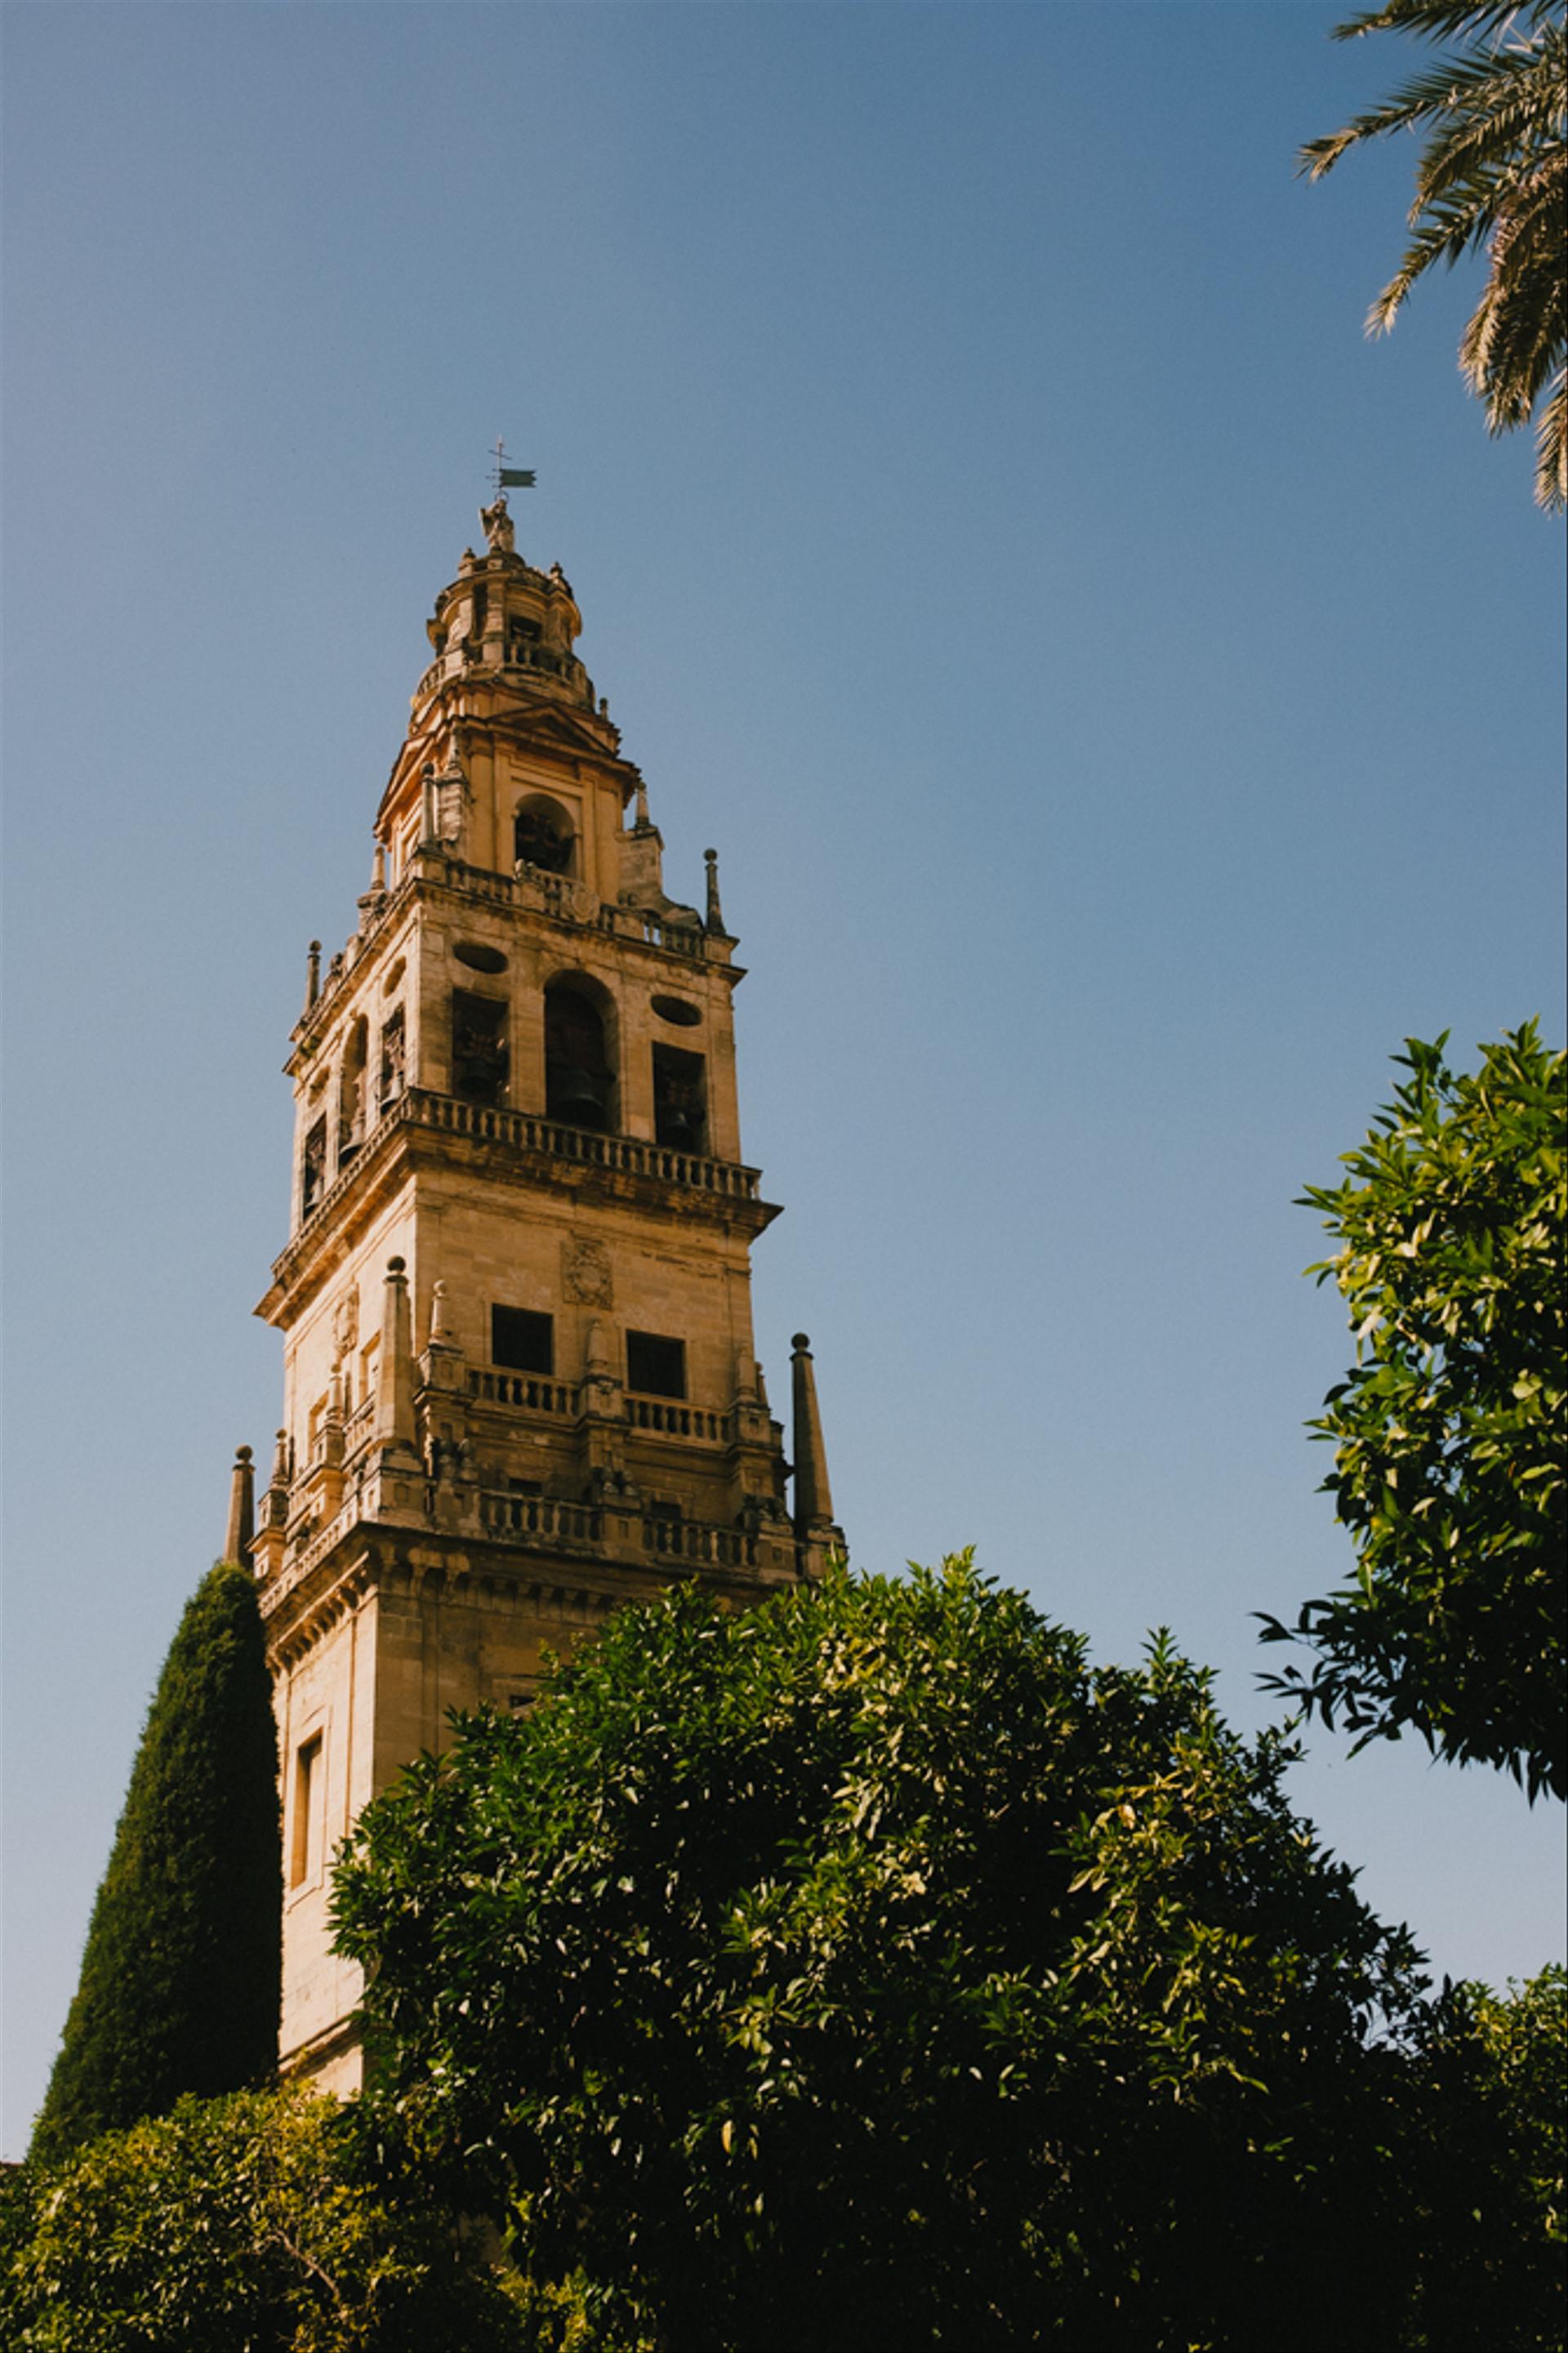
(1494, 169)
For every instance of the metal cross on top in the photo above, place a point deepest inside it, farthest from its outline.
(509, 478)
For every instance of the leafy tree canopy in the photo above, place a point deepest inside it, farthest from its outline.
(261, 2222)
(1494, 171)
(1448, 1430)
(179, 1986)
(1487, 2133)
(865, 1968)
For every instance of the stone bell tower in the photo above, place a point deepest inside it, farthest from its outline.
(521, 1385)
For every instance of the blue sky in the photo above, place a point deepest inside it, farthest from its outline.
(1126, 704)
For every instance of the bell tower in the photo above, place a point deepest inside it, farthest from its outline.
(519, 1378)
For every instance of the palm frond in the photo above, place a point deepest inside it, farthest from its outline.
(1509, 93)
(1494, 169)
(1552, 448)
(1444, 20)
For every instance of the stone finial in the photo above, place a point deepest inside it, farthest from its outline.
(813, 1496)
(394, 1394)
(715, 913)
(281, 1461)
(241, 1508)
(312, 974)
(439, 1335)
(644, 822)
(378, 869)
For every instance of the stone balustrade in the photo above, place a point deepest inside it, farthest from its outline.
(700, 1542)
(529, 1392)
(538, 1519)
(459, 661)
(540, 1523)
(627, 1154)
(673, 1420)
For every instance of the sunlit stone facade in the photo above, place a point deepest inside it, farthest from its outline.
(521, 1385)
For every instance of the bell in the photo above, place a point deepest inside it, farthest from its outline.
(579, 1096)
(677, 1128)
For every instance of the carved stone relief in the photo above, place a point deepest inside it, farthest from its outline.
(585, 1276)
(346, 1322)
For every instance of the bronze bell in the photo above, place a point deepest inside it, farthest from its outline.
(677, 1127)
(579, 1096)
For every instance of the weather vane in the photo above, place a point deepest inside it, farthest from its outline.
(509, 478)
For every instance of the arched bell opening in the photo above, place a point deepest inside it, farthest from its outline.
(351, 1093)
(579, 1054)
(542, 836)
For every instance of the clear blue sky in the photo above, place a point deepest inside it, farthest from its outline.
(1126, 704)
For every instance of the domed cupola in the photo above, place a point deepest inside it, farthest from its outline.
(503, 620)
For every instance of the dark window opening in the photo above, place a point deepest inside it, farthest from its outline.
(351, 1120)
(390, 1085)
(542, 836)
(579, 1087)
(479, 1058)
(520, 1340)
(680, 1099)
(313, 1179)
(655, 1365)
(306, 1855)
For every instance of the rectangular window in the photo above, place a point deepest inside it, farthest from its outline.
(520, 1340)
(479, 1059)
(680, 1099)
(310, 1793)
(655, 1364)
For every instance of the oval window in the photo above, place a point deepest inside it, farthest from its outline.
(394, 976)
(478, 957)
(677, 1009)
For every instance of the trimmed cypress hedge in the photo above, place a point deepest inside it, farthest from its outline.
(180, 1977)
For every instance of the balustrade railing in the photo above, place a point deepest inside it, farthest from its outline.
(628, 1155)
(529, 1390)
(525, 1130)
(538, 1517)
(460, 659)
(700, 1541)
(677, 1420)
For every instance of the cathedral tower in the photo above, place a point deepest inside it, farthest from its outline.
(520, 1385)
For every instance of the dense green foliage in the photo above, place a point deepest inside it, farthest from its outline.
(864, 1968)
(1448, 1431)
(251, 2224)
(1487, 2140)
(1494, 171)
(179, 1987)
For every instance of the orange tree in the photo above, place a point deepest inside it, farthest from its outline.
(1449, 1430)
(866, 1968)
